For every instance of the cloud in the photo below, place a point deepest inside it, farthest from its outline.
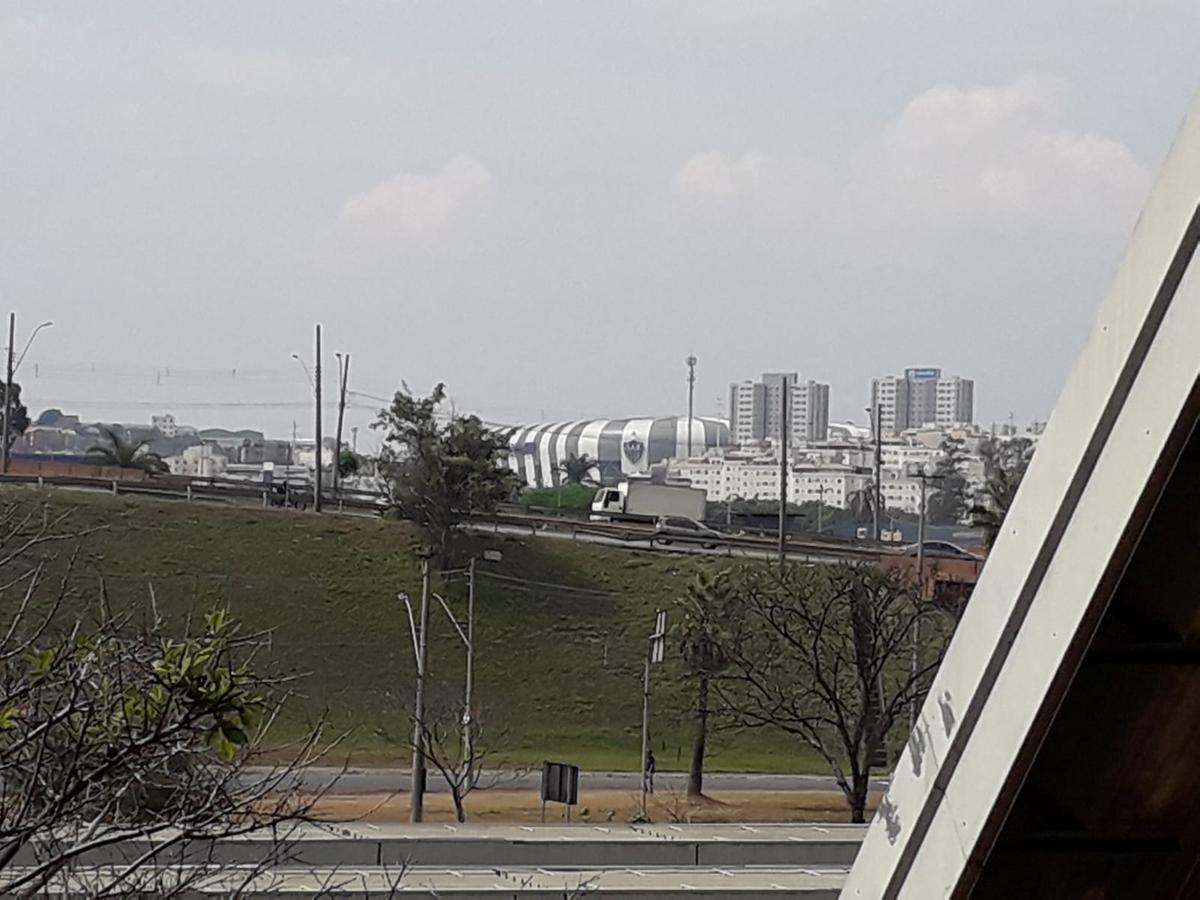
(415, 204)
(996, 155)
(717, 176)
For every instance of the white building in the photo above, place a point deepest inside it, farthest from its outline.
(757, 478)
(923, 398)
(198, 461)
(165, 425)
(756, 409)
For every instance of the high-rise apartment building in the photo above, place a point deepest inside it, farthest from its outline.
(756, 409)
(923, 397)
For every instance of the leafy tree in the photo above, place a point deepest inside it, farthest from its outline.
(116, 729)
(706, 634)
(118, 451)
(1005, 464)
(348, 463)
(862, 503)
(947, 500)
(440, 469)
(577, 469)
(18, 415)
(826, 655)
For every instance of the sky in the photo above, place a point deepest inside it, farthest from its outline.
(549, 205)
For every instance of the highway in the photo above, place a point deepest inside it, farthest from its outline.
(394, 780)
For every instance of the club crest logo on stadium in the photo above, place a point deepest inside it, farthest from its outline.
(634, 449)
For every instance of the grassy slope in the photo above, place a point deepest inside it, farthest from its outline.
(560, 674)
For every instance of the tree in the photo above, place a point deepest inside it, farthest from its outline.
(707, 632)
(348, 463)
(826, 655)
(947, 501)
(115, 728)
(862, 503)
(18, 415)
(1005, 464)
(440, 469)
(577, 469)
(116, 450)
(462, 768)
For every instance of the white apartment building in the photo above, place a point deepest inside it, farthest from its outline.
(725, 478)
(198, 461)
(756, 409)
(923, 397)
(165, 425)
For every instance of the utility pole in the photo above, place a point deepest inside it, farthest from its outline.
(343, 377)
(12, 328)
(820, 505)
(655, 653)
(691, 364)
(467, 723)
(417, 803)
(877, 416)
(354, 439)
(784, 427)
(925, 477)
(317, 391)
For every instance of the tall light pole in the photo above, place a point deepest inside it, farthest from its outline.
(875, 411)
(343, 378)
(691, 364)
(320, 439)
(925, 479)
(784, 428)
(10, 374)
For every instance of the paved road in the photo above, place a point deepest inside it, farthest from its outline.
(656, 546)
(383, 781)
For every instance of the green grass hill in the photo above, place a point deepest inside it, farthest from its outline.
(558, 672)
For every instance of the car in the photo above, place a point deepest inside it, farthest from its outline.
(681, 526)
(941, 550)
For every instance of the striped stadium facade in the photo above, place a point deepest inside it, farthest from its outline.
(621, 447)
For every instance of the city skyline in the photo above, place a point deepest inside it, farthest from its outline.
(581, 196)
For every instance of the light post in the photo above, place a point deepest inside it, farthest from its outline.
(691, 364)
(12, 369)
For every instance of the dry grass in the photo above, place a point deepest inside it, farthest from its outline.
(507, 806)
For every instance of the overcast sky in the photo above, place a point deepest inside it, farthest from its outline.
(549, 205)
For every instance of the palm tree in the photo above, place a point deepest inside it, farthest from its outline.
(706, 637)
(119, 452)
(1005, 465)
(577, 469)
(862, 503)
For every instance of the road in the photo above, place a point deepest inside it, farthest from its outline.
(387, 781)
(655, 546)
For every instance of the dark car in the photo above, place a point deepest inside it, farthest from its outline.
(680, 526)
(942, 550)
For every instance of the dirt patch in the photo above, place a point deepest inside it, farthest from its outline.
(599, 806)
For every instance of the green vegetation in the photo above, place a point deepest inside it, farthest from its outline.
(558, 672)
(568, 496)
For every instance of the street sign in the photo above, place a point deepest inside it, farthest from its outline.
(658, 640)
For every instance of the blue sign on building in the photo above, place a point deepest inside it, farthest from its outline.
(922, 374)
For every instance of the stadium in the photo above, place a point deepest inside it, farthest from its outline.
(620, 447)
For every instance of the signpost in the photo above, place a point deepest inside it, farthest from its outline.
(560, 784)
(656, 650)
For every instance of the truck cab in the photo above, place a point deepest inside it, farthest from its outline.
(609, 503)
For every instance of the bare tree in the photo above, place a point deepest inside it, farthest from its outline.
(462, 767)
(826, 654)
(707, 631)
(125, 743)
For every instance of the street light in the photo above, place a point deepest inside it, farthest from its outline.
(12, 369)
(32, 335)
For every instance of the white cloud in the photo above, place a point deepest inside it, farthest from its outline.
(719, 176)
(997, 155)
(415, 204)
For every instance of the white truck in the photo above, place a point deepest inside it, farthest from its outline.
(648, 501)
